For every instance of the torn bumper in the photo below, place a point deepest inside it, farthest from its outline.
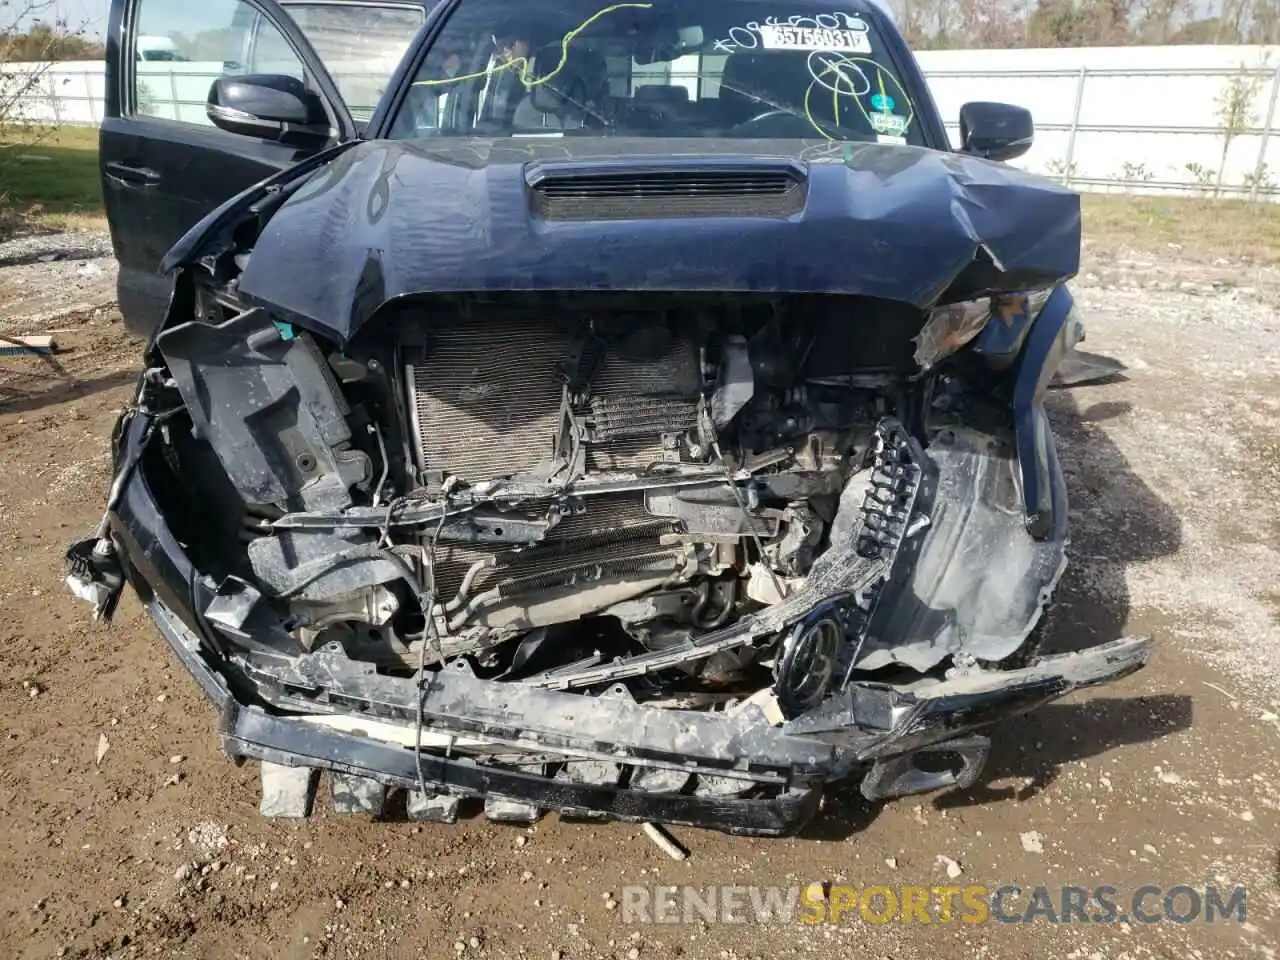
(776, 771)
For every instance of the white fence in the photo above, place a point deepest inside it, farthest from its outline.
(1186, 119)
(1193, 119)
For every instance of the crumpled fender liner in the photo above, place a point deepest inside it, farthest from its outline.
(977, 584)
(900, 776)
(966, 703)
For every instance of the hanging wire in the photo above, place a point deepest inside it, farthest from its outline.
(428, 602)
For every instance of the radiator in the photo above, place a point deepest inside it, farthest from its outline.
(486, 399)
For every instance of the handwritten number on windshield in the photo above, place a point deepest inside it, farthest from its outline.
(747, 36)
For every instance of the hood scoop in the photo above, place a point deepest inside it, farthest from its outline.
(618, 190)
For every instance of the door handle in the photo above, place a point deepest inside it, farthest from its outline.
(132, 173)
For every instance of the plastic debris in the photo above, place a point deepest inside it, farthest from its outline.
(666, 843)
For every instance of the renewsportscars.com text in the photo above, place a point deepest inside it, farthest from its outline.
(937, 904)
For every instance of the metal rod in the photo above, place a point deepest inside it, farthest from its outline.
(1261, 165)
(1103, 72)
(1136, 129)
(1075, 126)
(1182, 186)
(173, 93)
(88, 91)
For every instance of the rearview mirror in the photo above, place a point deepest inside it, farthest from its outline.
(268, 106)
(996, 131)
(663, 46)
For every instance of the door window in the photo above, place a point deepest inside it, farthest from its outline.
(201, 42)
(360, 44)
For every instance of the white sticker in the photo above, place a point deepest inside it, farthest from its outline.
(890, 138)
(779, 37)
(889, 123)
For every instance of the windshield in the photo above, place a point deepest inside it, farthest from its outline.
(660, 68)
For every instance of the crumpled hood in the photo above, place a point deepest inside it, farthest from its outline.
(387, 219)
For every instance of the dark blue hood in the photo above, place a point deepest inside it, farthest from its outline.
(387, 219)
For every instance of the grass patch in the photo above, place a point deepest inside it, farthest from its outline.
(49, 177)
(1200, 226)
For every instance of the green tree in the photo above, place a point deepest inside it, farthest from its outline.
(46, 42)
(1058, 23)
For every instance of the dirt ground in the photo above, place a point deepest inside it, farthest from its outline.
(1170, 777)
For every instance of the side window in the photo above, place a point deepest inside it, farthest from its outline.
(619, 67)
(360, 44)
(269, 52)
(710, 73)
(197, 44)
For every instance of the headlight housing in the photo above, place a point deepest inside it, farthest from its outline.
(954, 325)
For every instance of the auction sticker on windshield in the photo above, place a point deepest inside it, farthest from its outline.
(889, 123)
(813, 38)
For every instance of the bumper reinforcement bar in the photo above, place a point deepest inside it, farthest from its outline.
(868, 729)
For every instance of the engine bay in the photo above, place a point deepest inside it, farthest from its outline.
(548, 484)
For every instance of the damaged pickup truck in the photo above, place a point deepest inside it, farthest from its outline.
(638, 416)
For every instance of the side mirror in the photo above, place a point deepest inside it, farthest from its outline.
(268, 106)
(996, 131)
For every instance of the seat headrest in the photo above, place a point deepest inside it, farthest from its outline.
(581, 78)
(579, 63)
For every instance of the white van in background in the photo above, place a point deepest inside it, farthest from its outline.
(158, 48)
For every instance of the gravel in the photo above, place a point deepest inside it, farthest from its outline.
(50, 276)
